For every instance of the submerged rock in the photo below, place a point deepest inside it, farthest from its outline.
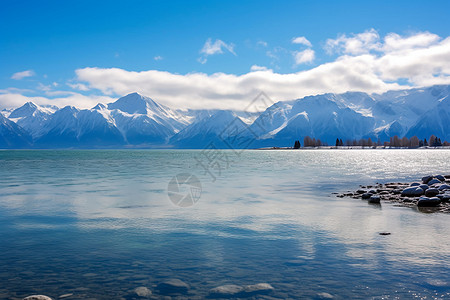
(226, 291)
(324, 296)
(143, 292)
(37, 297)
(173, 286)
(258, 289)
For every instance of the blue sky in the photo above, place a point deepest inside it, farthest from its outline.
(83, 52)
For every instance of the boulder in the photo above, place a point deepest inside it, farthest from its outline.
(374, 199)
(428, 202)
(415, 184)
(445, 198)
(426, 179)
(440, 177)
(433, 181)
(366, 195)
(413, 191)
(431, 192)
(424, 186)
(173, 286)
(444, 187)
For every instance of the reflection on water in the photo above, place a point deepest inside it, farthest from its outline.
(98, 224)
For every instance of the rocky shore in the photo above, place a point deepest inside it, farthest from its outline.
(430, 194)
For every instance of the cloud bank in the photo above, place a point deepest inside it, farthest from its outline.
(364, 62)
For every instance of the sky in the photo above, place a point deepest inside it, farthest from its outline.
(217, 54)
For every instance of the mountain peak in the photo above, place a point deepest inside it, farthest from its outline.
(134, 103)
(24, 111)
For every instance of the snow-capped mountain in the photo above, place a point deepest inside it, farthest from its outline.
(12, 135)
(32, 117)
(138, 121)
(217, 130)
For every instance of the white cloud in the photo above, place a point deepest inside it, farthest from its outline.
(302, 41)
(78, 86)
(159, 57)
(305, 56)
(394, 42)
(255, 68)
(218, 47)
(23, 74)
(354, 44)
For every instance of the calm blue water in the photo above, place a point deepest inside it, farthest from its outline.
(98, 224)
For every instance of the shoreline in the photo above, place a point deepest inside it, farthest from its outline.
(428, 195)
(354, 148)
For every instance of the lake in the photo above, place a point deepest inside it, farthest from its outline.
(99, 223)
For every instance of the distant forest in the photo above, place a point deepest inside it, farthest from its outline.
(395, 141)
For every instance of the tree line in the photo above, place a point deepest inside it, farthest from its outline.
(395, 141)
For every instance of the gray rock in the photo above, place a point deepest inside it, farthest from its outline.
(173, 286)
(143, 292)
(428, 202)
(37, 297)
(445, 198)
(424, 186)
(258, 289)
(366, 195)
(433, 181)
(415, 184)
(440, 177)
(426, 179)
(374, 199)
(413, 191)
(431, 192)
(444, 187)
(226, 291)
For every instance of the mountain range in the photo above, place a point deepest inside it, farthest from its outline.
(136, 121)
